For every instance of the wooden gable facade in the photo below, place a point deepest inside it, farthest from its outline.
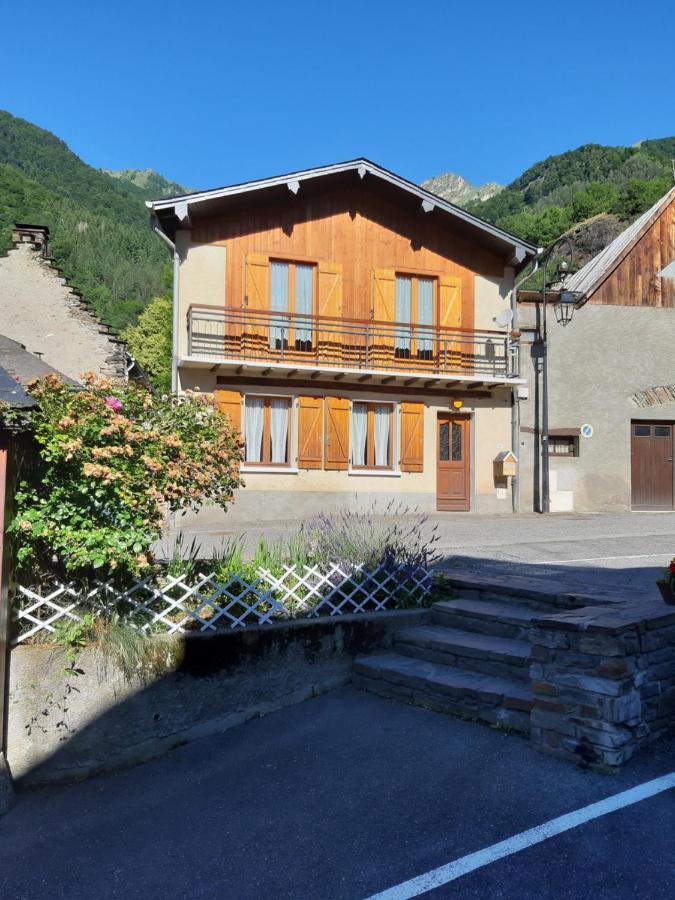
(358, 242)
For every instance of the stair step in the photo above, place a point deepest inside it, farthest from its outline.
(500, 619)
(471, 695)
(479, 652)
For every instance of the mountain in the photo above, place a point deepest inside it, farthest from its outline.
(458, 190)
(151, 184)
(99, 231)
(593, 191)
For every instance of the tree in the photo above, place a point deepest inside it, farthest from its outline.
(149, 341)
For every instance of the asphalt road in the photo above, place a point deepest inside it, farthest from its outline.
(340, 797)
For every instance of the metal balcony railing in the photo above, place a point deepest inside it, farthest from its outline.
(300, 339)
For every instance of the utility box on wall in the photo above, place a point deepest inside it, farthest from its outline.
(505, 464)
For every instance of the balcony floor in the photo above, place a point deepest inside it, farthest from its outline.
(320, 372)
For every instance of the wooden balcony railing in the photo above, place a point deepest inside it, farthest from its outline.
(229, 333)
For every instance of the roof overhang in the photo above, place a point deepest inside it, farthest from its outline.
(174, 213)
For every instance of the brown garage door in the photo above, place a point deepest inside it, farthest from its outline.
(652, 465)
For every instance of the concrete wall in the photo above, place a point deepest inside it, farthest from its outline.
(40, 311)
(596, 365)
(202, 280)
(214, 683)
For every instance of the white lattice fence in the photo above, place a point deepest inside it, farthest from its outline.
(200, 603)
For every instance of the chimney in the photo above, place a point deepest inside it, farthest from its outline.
(37, 235)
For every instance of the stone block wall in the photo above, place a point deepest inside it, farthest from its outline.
(603, 682)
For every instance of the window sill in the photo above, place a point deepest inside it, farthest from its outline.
(381, 472)
(268, 470)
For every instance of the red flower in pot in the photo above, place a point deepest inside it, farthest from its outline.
(667, 584)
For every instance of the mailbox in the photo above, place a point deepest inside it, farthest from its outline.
(505, 464)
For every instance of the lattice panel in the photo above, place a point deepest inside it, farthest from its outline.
(200, 603)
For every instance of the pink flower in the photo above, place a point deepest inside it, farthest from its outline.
(113, 403)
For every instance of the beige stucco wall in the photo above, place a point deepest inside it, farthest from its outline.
(40, 311)
(202, 279)
(491, 296)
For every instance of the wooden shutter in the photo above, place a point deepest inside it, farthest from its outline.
(310, 432)
(337, 433)
(384, 310)
(412, 437)
(451, 353)
(257, 297)
(330, 304)
(230, 402)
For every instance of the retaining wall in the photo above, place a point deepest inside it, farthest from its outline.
(215, 683)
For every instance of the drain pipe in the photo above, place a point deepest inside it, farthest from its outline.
(515, 399)
(174, 318)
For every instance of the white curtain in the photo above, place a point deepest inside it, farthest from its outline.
(381, 437)
(359, 433)
(253, 425)
(278, 302)
(279, 430)
(425, 312)
(403, 311)
(303, 301)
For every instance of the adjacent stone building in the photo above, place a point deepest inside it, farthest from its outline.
(40, 310)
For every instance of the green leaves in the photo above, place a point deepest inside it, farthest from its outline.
(111, 460)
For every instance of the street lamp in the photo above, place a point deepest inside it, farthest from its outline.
(563, 307)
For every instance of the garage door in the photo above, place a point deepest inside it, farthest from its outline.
(652, 465)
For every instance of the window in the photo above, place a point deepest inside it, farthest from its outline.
(372, 435)
(642, 430)
(414, 304)
(266, 431)
(662, 431)
(291, 290)
(567, 445)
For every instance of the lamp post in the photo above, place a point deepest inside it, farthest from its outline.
(564, 307)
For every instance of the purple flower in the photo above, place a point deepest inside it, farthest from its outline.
(113, 403)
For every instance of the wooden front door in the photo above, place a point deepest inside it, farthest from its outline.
(652, 473)
(453, 462)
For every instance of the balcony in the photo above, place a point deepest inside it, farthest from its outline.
(265, 338)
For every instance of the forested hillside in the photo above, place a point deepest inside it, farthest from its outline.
(99, 231)
(613, 183)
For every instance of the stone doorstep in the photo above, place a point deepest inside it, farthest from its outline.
(438, 678)
(525, 588)
(503, 613)
(467, 643)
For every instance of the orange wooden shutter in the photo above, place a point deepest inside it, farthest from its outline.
(230, 402)
(257, 292)
(384, 310)
(412, 437)
(450, 316)
(330, 304)
(337, 433)
(310, 432)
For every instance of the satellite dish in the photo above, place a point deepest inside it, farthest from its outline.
(504, 318)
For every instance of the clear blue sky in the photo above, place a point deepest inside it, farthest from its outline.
(209, 93)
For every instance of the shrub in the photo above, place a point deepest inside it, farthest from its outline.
(111, 461)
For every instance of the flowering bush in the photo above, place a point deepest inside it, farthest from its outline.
(668, 578)
(111, 461)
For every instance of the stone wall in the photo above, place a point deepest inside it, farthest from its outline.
(215, 683)
(604, 683)
(40, 310)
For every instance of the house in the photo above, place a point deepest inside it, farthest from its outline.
(611, 377)
(356, 328)
(40, 310)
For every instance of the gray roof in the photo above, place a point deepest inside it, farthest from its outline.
(12, 392)
(23, 366)
(590, 276)
(181, 206)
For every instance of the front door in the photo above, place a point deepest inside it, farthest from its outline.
(652, 465)
(453, 462)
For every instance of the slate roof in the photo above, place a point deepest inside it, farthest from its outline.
(12, 392)
(23, 366)
(590, 276)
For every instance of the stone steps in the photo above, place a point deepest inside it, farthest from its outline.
(499, 618)
(448, 689)
(505, 657)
